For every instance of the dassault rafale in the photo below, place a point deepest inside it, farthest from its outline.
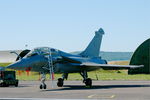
(49, 60)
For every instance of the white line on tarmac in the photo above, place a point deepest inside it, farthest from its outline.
(36, 99)
(90, 96)
(96, 96)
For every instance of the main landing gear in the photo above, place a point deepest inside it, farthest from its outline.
(86, 80)
(43, 85)
(60, 82)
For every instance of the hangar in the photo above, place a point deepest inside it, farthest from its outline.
(141, 56)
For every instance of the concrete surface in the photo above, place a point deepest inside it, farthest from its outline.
(105, 90)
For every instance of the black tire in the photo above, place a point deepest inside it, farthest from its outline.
(44, 86)
(88, 82)
(41, 86)
(16, 85)
(60, 82)
(4, 84)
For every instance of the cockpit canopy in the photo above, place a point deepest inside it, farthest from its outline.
(43, 51)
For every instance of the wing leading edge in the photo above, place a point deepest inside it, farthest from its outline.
(107, 66)
(91, 65)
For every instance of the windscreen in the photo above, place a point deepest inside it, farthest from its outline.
(43, 51)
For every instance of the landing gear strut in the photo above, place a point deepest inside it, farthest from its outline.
(60, 82)
(86, 80)
(43, 85)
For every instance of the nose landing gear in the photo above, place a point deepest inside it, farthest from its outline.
(43, 85)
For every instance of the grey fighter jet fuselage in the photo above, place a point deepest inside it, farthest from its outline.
(45, 60)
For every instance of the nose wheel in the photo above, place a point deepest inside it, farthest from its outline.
(43, 85)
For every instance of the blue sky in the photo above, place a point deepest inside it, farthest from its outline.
(69, 25)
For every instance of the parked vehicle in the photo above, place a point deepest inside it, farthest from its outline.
(8, 78)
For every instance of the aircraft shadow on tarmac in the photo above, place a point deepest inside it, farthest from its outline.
(77, 87)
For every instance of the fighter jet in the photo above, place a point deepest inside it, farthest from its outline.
(50, 60)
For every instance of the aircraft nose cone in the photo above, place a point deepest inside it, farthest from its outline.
(15, 65)
(25, 63)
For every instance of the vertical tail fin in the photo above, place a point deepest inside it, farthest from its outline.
(93, 48)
